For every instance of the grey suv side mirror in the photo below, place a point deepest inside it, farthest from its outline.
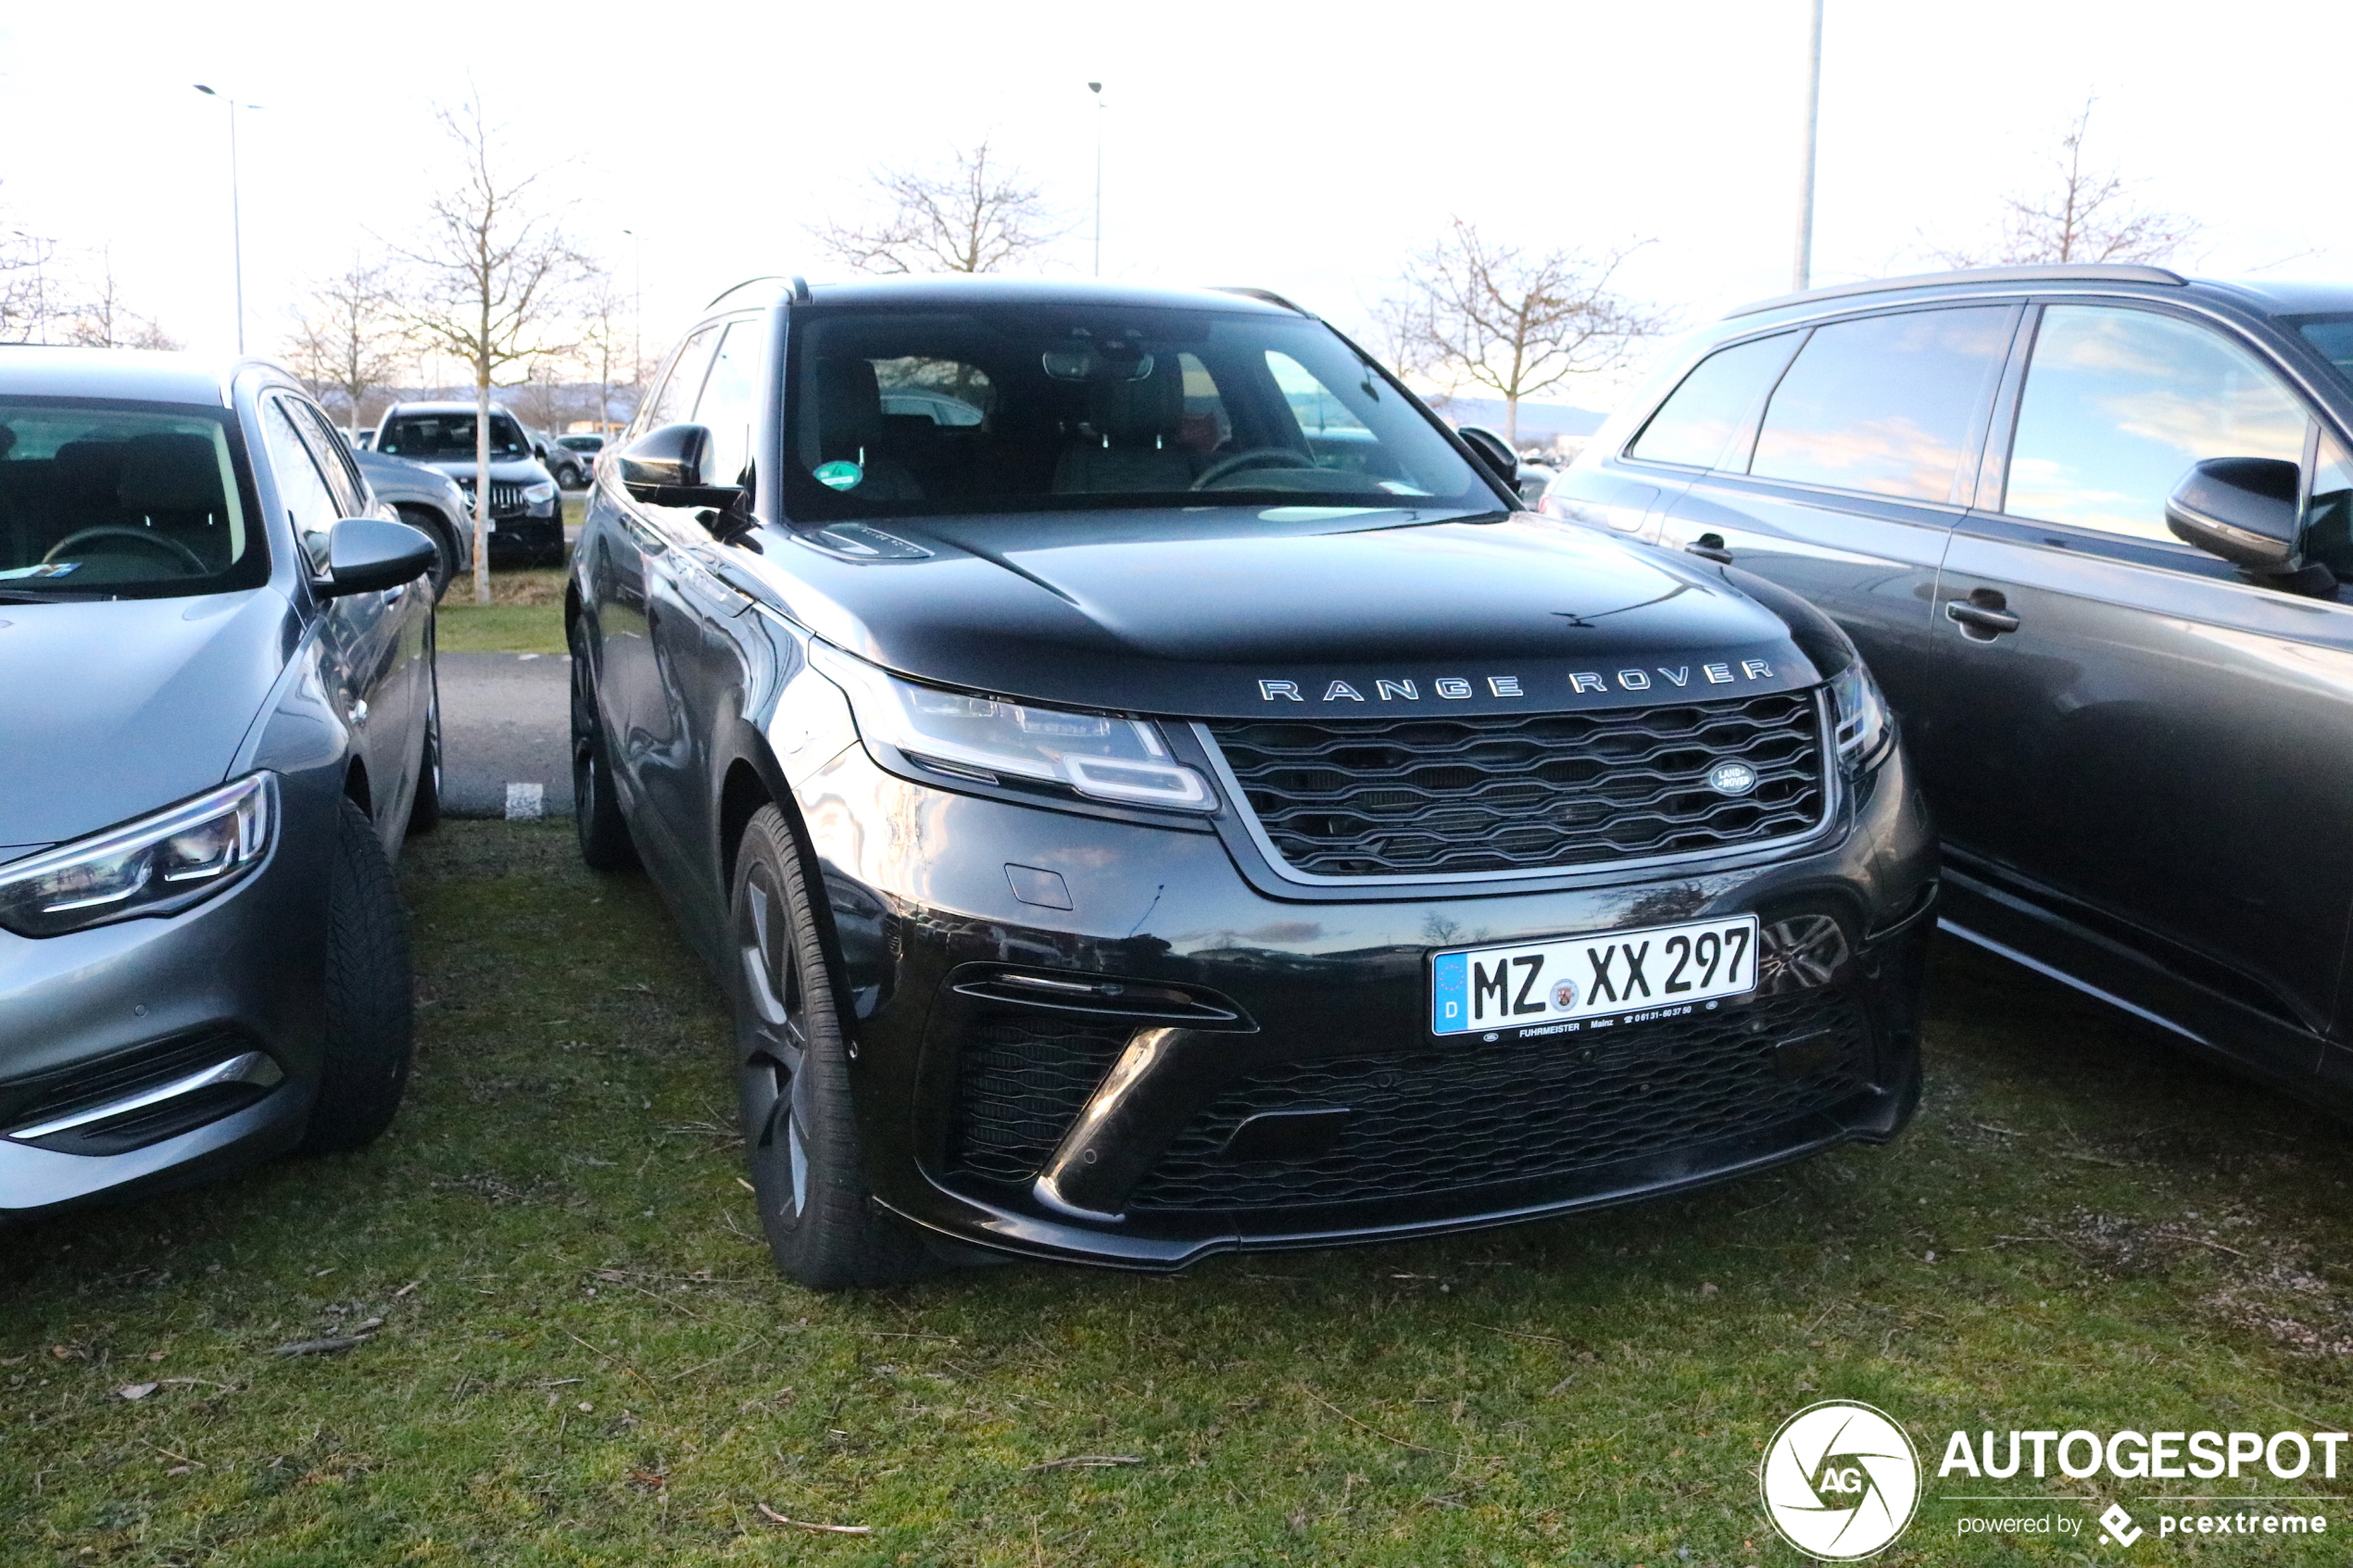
(366, 555)
(2243, 509)
(664, 468)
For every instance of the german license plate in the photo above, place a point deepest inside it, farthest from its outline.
(1578, 982)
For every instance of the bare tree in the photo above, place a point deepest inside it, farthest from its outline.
(964, 218)
(348, 338)
(2086, 215)
(27, 305)
(1470, 312)
(607, 344)
(492, 266)
(100, 320)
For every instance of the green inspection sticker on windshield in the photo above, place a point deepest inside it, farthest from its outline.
(841, 475)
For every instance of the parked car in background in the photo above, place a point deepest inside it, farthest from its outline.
(570, 470)
(221, 718)
(587, 443)
(362, 439)
(1125, 834)
(2091, 527)
(429, 501)
(526, 509)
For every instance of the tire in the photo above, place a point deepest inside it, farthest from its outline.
(605, 844)
(424, 809)
(792, 1070)
(445, 547)
(370, 1036)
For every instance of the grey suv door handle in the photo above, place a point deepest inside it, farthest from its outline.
(1710, 546)
(1984, 614)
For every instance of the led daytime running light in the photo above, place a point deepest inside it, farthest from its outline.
(156, 865)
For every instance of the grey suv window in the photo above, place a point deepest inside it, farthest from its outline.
(731, 401)
(1884, 404)
(1713, 404)
(2119, 403)
(311, 507)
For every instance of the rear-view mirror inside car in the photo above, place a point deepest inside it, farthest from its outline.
(2243, 509)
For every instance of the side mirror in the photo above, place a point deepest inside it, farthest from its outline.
(366, 555)
(2243, 509)
(1499, 457)
(539, 451)
(664, 468)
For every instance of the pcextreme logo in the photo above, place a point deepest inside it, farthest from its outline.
(1839, 1480)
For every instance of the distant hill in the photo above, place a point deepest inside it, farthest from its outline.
(1537, 422)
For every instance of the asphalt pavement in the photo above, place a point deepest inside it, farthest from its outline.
(506, 727)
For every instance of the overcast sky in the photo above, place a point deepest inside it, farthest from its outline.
(1301, 147)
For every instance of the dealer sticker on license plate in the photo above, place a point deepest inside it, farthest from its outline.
(1580, 982)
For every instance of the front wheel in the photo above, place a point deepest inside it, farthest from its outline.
(371, 1028)
(793, 1073)
(605, 844)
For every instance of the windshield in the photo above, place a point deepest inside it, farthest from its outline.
(129, 500)
(447, 435)
(1016, 408)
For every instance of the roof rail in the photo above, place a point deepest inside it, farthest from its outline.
(1267, 296)
(2062, 272)
(800, 287)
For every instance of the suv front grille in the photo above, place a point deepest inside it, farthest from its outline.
(505, 498)
(1517, 1110)
(1021, 1081)
(1460, 796)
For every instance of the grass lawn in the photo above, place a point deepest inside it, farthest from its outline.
(584, 1356)
(526, 614)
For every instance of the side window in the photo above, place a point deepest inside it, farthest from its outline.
(675, 397)
(1884, 404)
(731, 402)
(2328, 517)
(1207, 425)
(310, 506)
(1335, 435)
(343, 478)
(2119, 403)
(1712, 404)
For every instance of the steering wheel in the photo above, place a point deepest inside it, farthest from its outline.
(1251, 458)
(180, 553)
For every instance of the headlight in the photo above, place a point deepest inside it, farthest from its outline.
(156, 865)
(541, 494)
(987, 738)
(1863, 724)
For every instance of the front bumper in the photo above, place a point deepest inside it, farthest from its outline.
(1110, 1129)
(91, 1017)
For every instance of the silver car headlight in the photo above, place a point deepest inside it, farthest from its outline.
(987, 739)
(539, 495)
(1864, 726)
(156, 865)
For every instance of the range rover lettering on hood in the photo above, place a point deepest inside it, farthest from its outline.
(1461, 688)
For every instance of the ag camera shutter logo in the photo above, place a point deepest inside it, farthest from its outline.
(1839, 1480)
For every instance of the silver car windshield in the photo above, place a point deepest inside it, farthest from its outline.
(122, 501)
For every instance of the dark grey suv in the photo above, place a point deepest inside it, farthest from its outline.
(2089, 526)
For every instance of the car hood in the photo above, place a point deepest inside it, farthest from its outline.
(116, 708)
(515, 470)
(1232, 612)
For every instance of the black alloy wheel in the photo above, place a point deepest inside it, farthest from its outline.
(792, 1070)
(424, 807)
(605, 844)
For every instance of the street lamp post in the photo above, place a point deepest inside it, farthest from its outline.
(1805, 269)
(1097, 89)
(237, 216)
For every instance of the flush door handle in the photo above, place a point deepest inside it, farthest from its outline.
(1985, 615)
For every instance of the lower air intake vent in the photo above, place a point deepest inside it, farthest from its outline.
(1518, 1111)
(1021, 1081)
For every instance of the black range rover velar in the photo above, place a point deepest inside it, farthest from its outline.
(1148, 791)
